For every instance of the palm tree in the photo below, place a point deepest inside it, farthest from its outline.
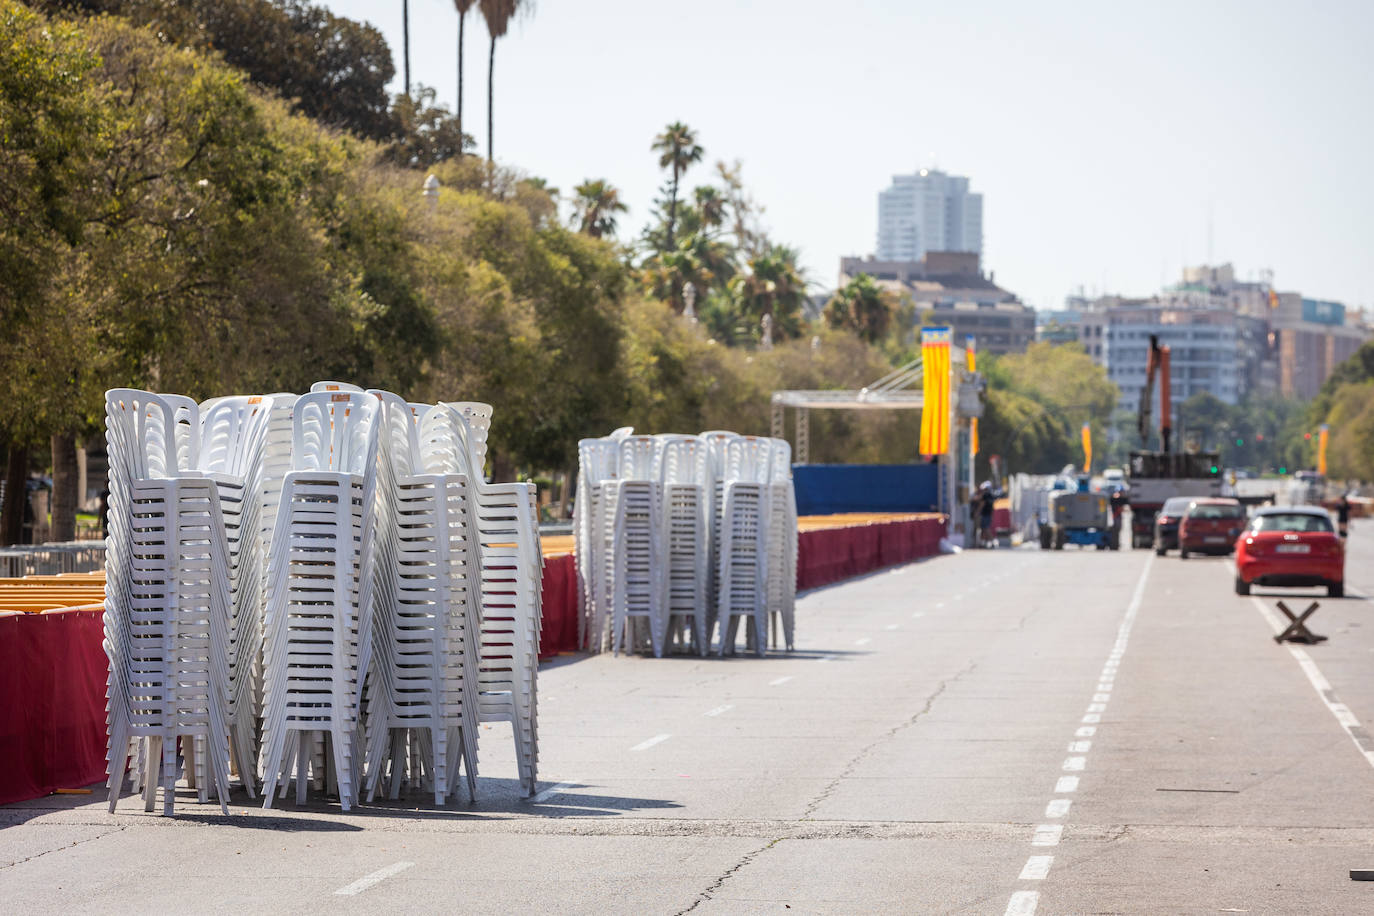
(775, 285)
(462, 6)
(597, 204)
(677, 148)
(710, 206)
(498, 15)
(863, 307)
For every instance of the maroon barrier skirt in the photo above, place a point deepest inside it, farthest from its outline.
(834, 554)
(53, 672)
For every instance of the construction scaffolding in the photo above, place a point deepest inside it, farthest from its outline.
(900, 389)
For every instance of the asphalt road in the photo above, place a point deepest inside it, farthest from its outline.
(996, 732)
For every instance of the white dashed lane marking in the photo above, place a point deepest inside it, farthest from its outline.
(1036, 868)
(778, 682)
(1023, 903)
(377, 877)
(719, 709)
(645, 745)
(1047, 835)
(1058, 807)
(553, 790)
(1065, 785)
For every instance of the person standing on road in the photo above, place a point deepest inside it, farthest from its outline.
(1343, 515)
(1118, 503)
(986, 502)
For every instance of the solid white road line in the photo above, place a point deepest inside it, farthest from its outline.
(1065, 785)
(645, 745)
(377, 877)
(778, 682)
(1023, 903)
(719, 709)
(1036, 868)
(1058, 807)
(553, 790)
(1349, 722)
(1047, 835)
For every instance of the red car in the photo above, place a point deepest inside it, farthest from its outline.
(1291, 546)
(1210, 526)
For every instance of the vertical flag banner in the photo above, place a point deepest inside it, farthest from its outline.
(935, 344)
(1321, 449)
(1087, 449)
(971, 351)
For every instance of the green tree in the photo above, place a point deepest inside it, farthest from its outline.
(427, 133)
(863, 307)
(596, 207)
(678, 150)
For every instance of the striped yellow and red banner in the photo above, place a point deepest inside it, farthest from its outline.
(935, 346)
(971, 360)
(1322, 434)
(1087, 449)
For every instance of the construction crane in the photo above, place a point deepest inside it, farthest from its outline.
(1154, 477)
(1156, 363)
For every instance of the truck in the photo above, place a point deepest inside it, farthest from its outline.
(1079, 517)
(1154, 477)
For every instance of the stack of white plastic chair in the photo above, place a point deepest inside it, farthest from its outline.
(167, 601)
(633, 537)
(421, 714)
(782, 542)
(684, 463)
(597, 463)
(716, 441)
(512, 572)
(742, 494)
(317, 628)
(232, 435)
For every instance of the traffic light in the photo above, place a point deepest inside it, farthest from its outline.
(1283, 470)
(1259, 437)
(1240, 442)
(1214, 470)
(1307, 435)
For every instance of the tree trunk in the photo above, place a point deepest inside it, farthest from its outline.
(64, 495)
(502, 468)
(672, 210)
(491, 71)
(461, 16)
(16, 495)
(565, 494)
(405, 41)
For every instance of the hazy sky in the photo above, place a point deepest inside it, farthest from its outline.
(1105, 137)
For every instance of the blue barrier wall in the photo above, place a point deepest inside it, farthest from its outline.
(824, 489)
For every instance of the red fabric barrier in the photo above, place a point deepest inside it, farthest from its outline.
(52, 703)
(1001, 519)
(833, 554)
(559, 625)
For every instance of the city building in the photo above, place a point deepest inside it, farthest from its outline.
(928, 211)
(1232, 339)
(1312, 337)
(949, 288)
